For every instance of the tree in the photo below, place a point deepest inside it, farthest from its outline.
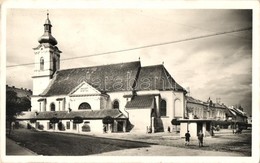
(14, 106)
(77, 120)
(107, 120)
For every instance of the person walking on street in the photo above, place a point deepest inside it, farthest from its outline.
(187, 138)
(200, 138)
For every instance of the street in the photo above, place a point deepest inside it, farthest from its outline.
(128, 144)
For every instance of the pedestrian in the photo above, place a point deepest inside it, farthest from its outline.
(200, 138)
(169, 129)
(187, 138)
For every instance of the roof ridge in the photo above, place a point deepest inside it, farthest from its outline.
(153, 66)
(100, 65)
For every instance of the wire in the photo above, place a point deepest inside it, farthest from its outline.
(184, 25)
(146, 46)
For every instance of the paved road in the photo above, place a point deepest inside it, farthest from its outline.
(12, 148)
(158, 150)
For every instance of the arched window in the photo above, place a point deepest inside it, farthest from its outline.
(41, 63)
(163, 108)
(84, 106)
(54, 65)
(116, 105)
(52, 107)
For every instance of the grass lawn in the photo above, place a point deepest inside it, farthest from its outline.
(50, 143)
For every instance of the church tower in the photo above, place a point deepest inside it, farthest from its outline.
(46, 59)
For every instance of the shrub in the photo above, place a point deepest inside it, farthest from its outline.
(40, 127)
(85, 128)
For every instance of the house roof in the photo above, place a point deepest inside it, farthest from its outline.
(95, 114)
(193, 100)
(90, 114)
(50, 114)
(106, 78)
(140, 102)
(156, 78)
(196, 101)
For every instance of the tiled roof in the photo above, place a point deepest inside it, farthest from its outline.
(193, 100)
(21, 92)
(90, 114)
(103, 78)
(113, 78)
(51, 114)
(95, 114)
(140, 102)
(156, 78)
(196, 101)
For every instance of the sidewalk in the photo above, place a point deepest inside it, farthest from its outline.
(12, 148)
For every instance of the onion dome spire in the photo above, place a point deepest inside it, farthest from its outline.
(47, 37)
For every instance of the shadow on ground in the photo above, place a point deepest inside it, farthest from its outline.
(50, 143)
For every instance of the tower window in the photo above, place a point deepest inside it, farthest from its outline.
(54, 65)
(84, 106)
(41, 63)
(163, 108)
(116, 105)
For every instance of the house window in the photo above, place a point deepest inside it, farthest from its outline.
(163, 108)
(68, 125)
(51, 126)
(116, 105)
(52, 107)
(41, 63)
(84, 106)
(74, 126)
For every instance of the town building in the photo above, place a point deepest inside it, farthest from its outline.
(138, 98)
(20, 92)
(200, 115)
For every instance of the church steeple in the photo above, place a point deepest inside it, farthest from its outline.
(47, 37)
(46, 59)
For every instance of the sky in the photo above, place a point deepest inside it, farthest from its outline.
(215, 67)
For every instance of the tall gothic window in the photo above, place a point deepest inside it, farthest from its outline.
(84, 106)
(116, 105)
(163, 108)
(52, 107)
(41, 63)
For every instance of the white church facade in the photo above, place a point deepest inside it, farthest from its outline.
(137, 98)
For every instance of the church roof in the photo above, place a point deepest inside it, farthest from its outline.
(145, 101)
(106, 78)
(113, 78)
(156, 78)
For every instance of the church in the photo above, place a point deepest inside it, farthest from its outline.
(133, 97)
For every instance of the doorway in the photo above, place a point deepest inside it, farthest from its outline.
(120, 126)
(199, 127)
